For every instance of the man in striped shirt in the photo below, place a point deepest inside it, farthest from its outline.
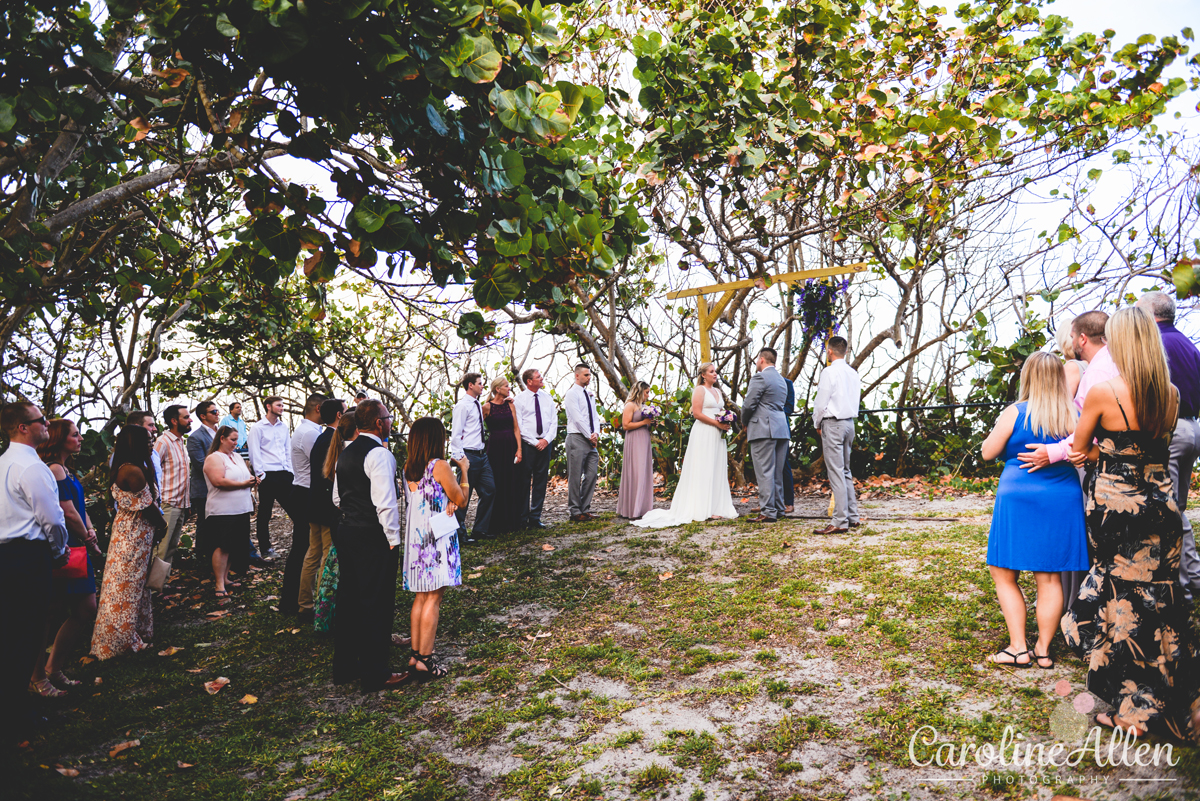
(176, 488)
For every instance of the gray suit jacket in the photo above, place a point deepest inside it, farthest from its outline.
(198, 443)
(762, 411)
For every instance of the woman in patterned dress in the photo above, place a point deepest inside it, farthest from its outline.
(125, 621)
(431, 562)
(1129, 621)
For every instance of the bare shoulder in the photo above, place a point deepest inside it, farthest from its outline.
(59, 471)
(131, 478)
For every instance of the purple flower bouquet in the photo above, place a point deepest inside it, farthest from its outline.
(651, 412)
(726, 417)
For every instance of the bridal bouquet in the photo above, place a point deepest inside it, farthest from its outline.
(727, 417)
(651, 412)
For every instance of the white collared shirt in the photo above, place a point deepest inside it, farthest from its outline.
(270, 447)
(380, 467)
(577, 403)
(306, 434)
(466, 426)
(29, 508)
(527, 418)
(838, 393)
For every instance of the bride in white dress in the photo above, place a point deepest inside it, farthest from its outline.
(703, 489)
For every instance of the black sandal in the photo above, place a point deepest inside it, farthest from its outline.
(223, 597)
(1013, 664)
(1038, 659)
(432, 669)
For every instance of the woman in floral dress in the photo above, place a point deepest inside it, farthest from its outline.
(1129, 621)
(124, 621)
(431, 559)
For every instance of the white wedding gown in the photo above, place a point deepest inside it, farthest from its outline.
(703, 489)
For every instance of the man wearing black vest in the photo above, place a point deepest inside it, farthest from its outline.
(368, 547)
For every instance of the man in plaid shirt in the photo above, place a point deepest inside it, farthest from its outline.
(176, 495)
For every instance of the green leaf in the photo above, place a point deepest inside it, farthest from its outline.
(372, 212)
(394, 234)
(514, 247)
(1121, 156)
(514, 167)
(573, 99)
(474, 328)
(1094, 174)
(225, 27)
(514, 107)
(39, 102)
(1184, 276)
(547, 104)
(7, 116)
(498, 288)
(484, 63)
(169, 243)
(283, 243)
(287, 123)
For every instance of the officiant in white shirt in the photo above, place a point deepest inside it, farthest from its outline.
(834, 411)
(537, 417)
(466, 439)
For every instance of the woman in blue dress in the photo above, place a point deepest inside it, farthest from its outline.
(80, 593)
(1037, 523)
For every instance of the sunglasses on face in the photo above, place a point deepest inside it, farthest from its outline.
(41, 420)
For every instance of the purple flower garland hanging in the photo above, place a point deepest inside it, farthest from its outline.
(817, 306)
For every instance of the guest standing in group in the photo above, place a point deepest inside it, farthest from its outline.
(322, 514)
(33, 537)
(199, 443)
(1037, 522)
(176, 497)
(834, 412)
(1130, 622)
(504, 456)
(1073, 366)
(583, 438)
(230, 504)
(146, 421)
(234, 420)
(538, 419)
(271, 461)
(325, 601)
(368, 540)
(466, 440)
(58, 453)
(1183, 360)
(1088, 343)
(431, 560)
(302, 442)
(636, 496)
(124, 619)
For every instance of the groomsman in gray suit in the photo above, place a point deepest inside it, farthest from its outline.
(768, 433)
(583, 434)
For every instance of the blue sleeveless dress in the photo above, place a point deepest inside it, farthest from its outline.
(1038, 522)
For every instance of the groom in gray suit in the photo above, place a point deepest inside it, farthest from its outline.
(767, 431)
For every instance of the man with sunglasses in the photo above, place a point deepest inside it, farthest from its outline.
(33, 539)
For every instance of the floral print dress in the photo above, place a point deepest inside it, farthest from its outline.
(124, 619)
(1129, 622)
(429, 564)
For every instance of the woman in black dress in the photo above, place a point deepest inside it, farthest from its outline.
(504, 454)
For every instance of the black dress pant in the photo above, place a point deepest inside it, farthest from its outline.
(276, 486)
(366, 599)
(25, 599)
(289, 598)
(479, 476)
(534, 474)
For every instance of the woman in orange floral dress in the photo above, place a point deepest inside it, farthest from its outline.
(124, 620)
(1129, 621)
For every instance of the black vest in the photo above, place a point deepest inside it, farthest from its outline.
(354, 488)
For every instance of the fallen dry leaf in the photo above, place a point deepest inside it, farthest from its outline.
(217, 614)
(478, 567)
(98, 680)
(547, 547)
(171, 651)
(474, 575)
(125, 746)
(666, 576)
(214, 686)
(70, 773)
(87, 660)
(607, 550)
(195, 670)
(248, 699)
(184, 765)
(271, 598)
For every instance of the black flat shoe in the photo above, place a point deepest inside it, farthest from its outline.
(1045, 657)
(1014, 663)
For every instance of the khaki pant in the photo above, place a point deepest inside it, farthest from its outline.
(319, 539)
(170, 543)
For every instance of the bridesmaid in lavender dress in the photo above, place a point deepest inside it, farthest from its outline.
(637, 469)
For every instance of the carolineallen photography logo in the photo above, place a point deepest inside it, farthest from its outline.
(1015, 760)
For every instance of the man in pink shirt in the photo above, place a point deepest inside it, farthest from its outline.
(1087, 337)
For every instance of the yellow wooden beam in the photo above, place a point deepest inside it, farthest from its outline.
(784, 278)
(704, 322)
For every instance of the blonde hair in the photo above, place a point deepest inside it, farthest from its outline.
(1137, 350)
(638, 393)
(1066, 342)
(700, 372)
(496, 382)
(1050, 412)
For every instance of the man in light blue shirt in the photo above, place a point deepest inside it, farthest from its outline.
(234, 420)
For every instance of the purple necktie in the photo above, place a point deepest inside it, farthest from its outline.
(537, 410)
(482, 427)
(591, 420)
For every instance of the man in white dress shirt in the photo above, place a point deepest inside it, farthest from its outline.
(834, 410)
(33, 538)
(306, 435)
(583, 435)
(537, 417)
(368, 543)
(271, 459)
(466, 439)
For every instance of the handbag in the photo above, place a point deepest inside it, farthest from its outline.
(76, 566)
(159, 570)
